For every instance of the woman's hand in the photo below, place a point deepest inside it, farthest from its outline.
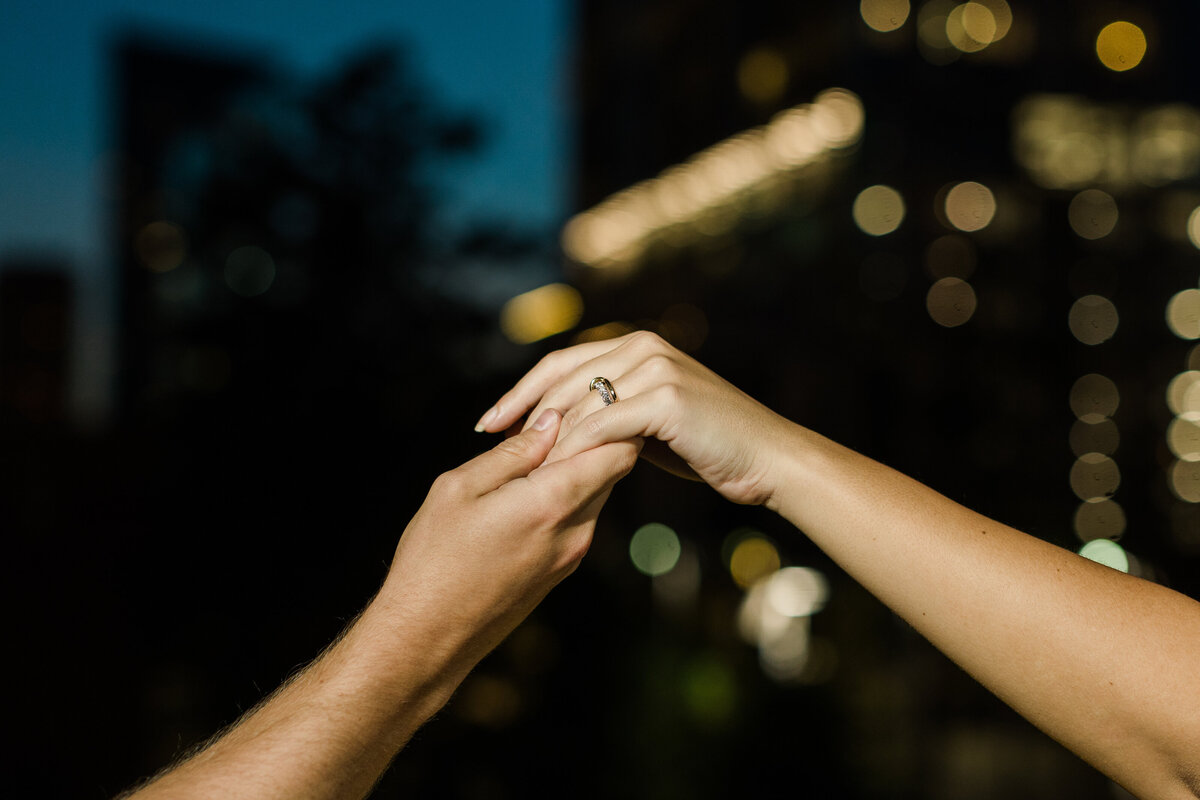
(708, 428)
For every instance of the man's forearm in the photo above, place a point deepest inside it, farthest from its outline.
(331, 730)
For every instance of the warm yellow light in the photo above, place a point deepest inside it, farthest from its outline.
(1183, 437)
(1001, 17)
(1103, 519)
(1092, 214)
(970, 206)
(1094, 476)
(1193, 227)
(950, 256)
(878, 210)
(1094, 397)
(753, 558)
(837, 117)
(951, 302)
(598, 333)
(707, 195)
(1184, 478)
(1183, 314)
(1121, 46)
(1093, 319)
(1100, 436)
(160, 246)
(763, 75)
(541, 312)
(1183, 394)
(884, 15)
(931, 31)
(970, 27)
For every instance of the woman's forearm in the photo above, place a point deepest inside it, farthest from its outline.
(1106, 663)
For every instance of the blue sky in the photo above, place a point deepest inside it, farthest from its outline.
(505, 61)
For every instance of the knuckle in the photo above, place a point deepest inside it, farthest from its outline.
(669, 394)
(661, 366)
(449, 483)
(646, 341)
(594, 426)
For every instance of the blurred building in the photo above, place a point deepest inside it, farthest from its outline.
(167, 95)
(991, 284)
(36, 302)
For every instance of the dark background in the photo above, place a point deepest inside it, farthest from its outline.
(168, 568)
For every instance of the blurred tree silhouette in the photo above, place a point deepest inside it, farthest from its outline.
(311, 227)
(295, 357)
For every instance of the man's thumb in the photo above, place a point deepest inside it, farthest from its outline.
(518, 456)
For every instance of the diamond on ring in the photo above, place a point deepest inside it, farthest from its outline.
(607, 393)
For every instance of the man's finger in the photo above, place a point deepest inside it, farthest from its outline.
(513, 458)
(586, 476)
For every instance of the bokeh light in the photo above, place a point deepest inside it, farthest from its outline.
(160, 246)
(710, 691)
(706, 196)
(932, 39)
(489, 701)
(1094, 475)
(684, 325)
(1183, 394)
(950, 256)
(797, 591)
(1183, 437)
(763, 75)
(1093, 319)
(1193, 227)
(970, 206)
(1092, 214)
(1184, 477)
(1103, 519)
(1094, 397)
(752, 558)
(951, 302)
(1121, 46)
(541, 312)
(878, 210)
(654, 549)
(970, 27)
(1106, 552)
(599, 333)
(884, 15)
(1183, 314)
(249, 271)
(1100, 436)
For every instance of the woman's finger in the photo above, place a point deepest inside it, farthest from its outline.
(534, 384)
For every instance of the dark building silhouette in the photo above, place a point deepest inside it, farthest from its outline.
(163, 94)
(36, 308)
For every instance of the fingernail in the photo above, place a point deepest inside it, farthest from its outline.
(545, 420)
(487, 417)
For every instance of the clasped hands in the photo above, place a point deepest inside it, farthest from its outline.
(496, 534)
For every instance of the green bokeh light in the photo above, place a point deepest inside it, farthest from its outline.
(654, 549)
(1106, 552)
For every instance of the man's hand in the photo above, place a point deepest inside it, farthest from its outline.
(495, 535)
(492, 538)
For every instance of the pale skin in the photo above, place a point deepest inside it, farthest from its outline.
(491, 540)
(1106, 663)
